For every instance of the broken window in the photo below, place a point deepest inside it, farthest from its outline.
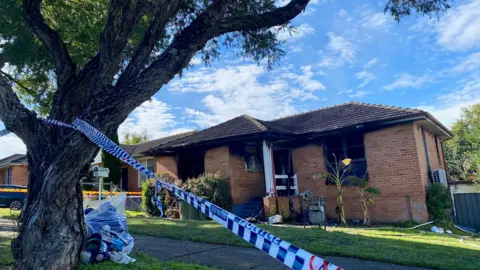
(348, 145)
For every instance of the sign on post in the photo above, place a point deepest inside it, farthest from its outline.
(100, 172)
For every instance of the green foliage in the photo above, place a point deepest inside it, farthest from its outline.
(462, 152)
(135, 138)
(148, 190)
(113, 164)
(213, 187)
(338, 173)
(401, 8)
(438, 202)
(362, 188)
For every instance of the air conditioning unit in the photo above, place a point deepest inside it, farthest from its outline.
(439, 176)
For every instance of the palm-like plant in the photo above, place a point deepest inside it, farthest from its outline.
(338, 173)
(362, 188)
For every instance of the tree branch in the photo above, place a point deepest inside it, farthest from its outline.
(151, 37)
(123, 17)
(276, 17)
(193, 38)
(14, 115)
(64, 67)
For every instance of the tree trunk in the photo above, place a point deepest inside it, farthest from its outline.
(52, 230)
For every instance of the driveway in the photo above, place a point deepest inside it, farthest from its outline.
(233, 258)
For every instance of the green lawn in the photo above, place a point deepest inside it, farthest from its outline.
(415, 248)
(143, 262)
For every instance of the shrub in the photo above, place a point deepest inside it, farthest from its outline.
(213, 187)
(438, 202)
(166, 197)
(148, 190)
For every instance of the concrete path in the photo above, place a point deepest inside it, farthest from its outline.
(233, 258)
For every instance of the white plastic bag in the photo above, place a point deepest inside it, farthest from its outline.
(117, 201)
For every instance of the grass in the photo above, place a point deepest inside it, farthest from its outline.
(6, 213)
(412, 247)
(143, 262)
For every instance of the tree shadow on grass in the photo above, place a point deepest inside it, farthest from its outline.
(317, 241)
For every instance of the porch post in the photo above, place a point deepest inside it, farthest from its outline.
(268, 169)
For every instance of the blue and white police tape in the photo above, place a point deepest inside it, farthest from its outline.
(4, 132)
(279, 249)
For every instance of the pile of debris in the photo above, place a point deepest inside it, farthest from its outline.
(108, 237)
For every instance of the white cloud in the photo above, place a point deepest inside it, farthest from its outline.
(469, 63)
(339, 52)
(297, 33)
(371, 63)
(247, 89)
(296, 49)
(375, 21)
(365, 76)
(10, 145)
(358, 94)
(196, 61)
(460, 29)
(405, 80)
(152, 117)
(449, 106)
(342, 13)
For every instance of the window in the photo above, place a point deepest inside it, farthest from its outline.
(348, 145)
(252, 159)
(9, 176)
(150, 165)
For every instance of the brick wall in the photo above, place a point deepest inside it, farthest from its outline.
(20, 175)
(218, 160)
(396, 167)
(166, 165)
(308, 160)
(245, 184)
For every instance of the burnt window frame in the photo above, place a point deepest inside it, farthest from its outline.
(358, 161)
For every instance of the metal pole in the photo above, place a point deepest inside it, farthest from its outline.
(100, 187)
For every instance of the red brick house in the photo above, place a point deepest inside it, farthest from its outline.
(14, 170)
(131, 178)
(398, 147)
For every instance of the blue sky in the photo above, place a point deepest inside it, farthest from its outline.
(342, 51)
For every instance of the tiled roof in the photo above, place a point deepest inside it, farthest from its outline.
(14, 159)
(317, 121)
(137, 149)
(342, 116)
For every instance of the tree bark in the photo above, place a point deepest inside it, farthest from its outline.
(52, 229)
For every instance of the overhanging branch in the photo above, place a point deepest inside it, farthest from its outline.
(123, 18)
(14, 115)
(193, 38)
(166, 10)
(64, 67)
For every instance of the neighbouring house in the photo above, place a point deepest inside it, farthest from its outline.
(14, 170)
(399, 148)
(131, 178)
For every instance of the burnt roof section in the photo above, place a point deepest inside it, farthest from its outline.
(13, 159)
(342, 116)
(137, 150)
(322, 120)
(236, 127)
